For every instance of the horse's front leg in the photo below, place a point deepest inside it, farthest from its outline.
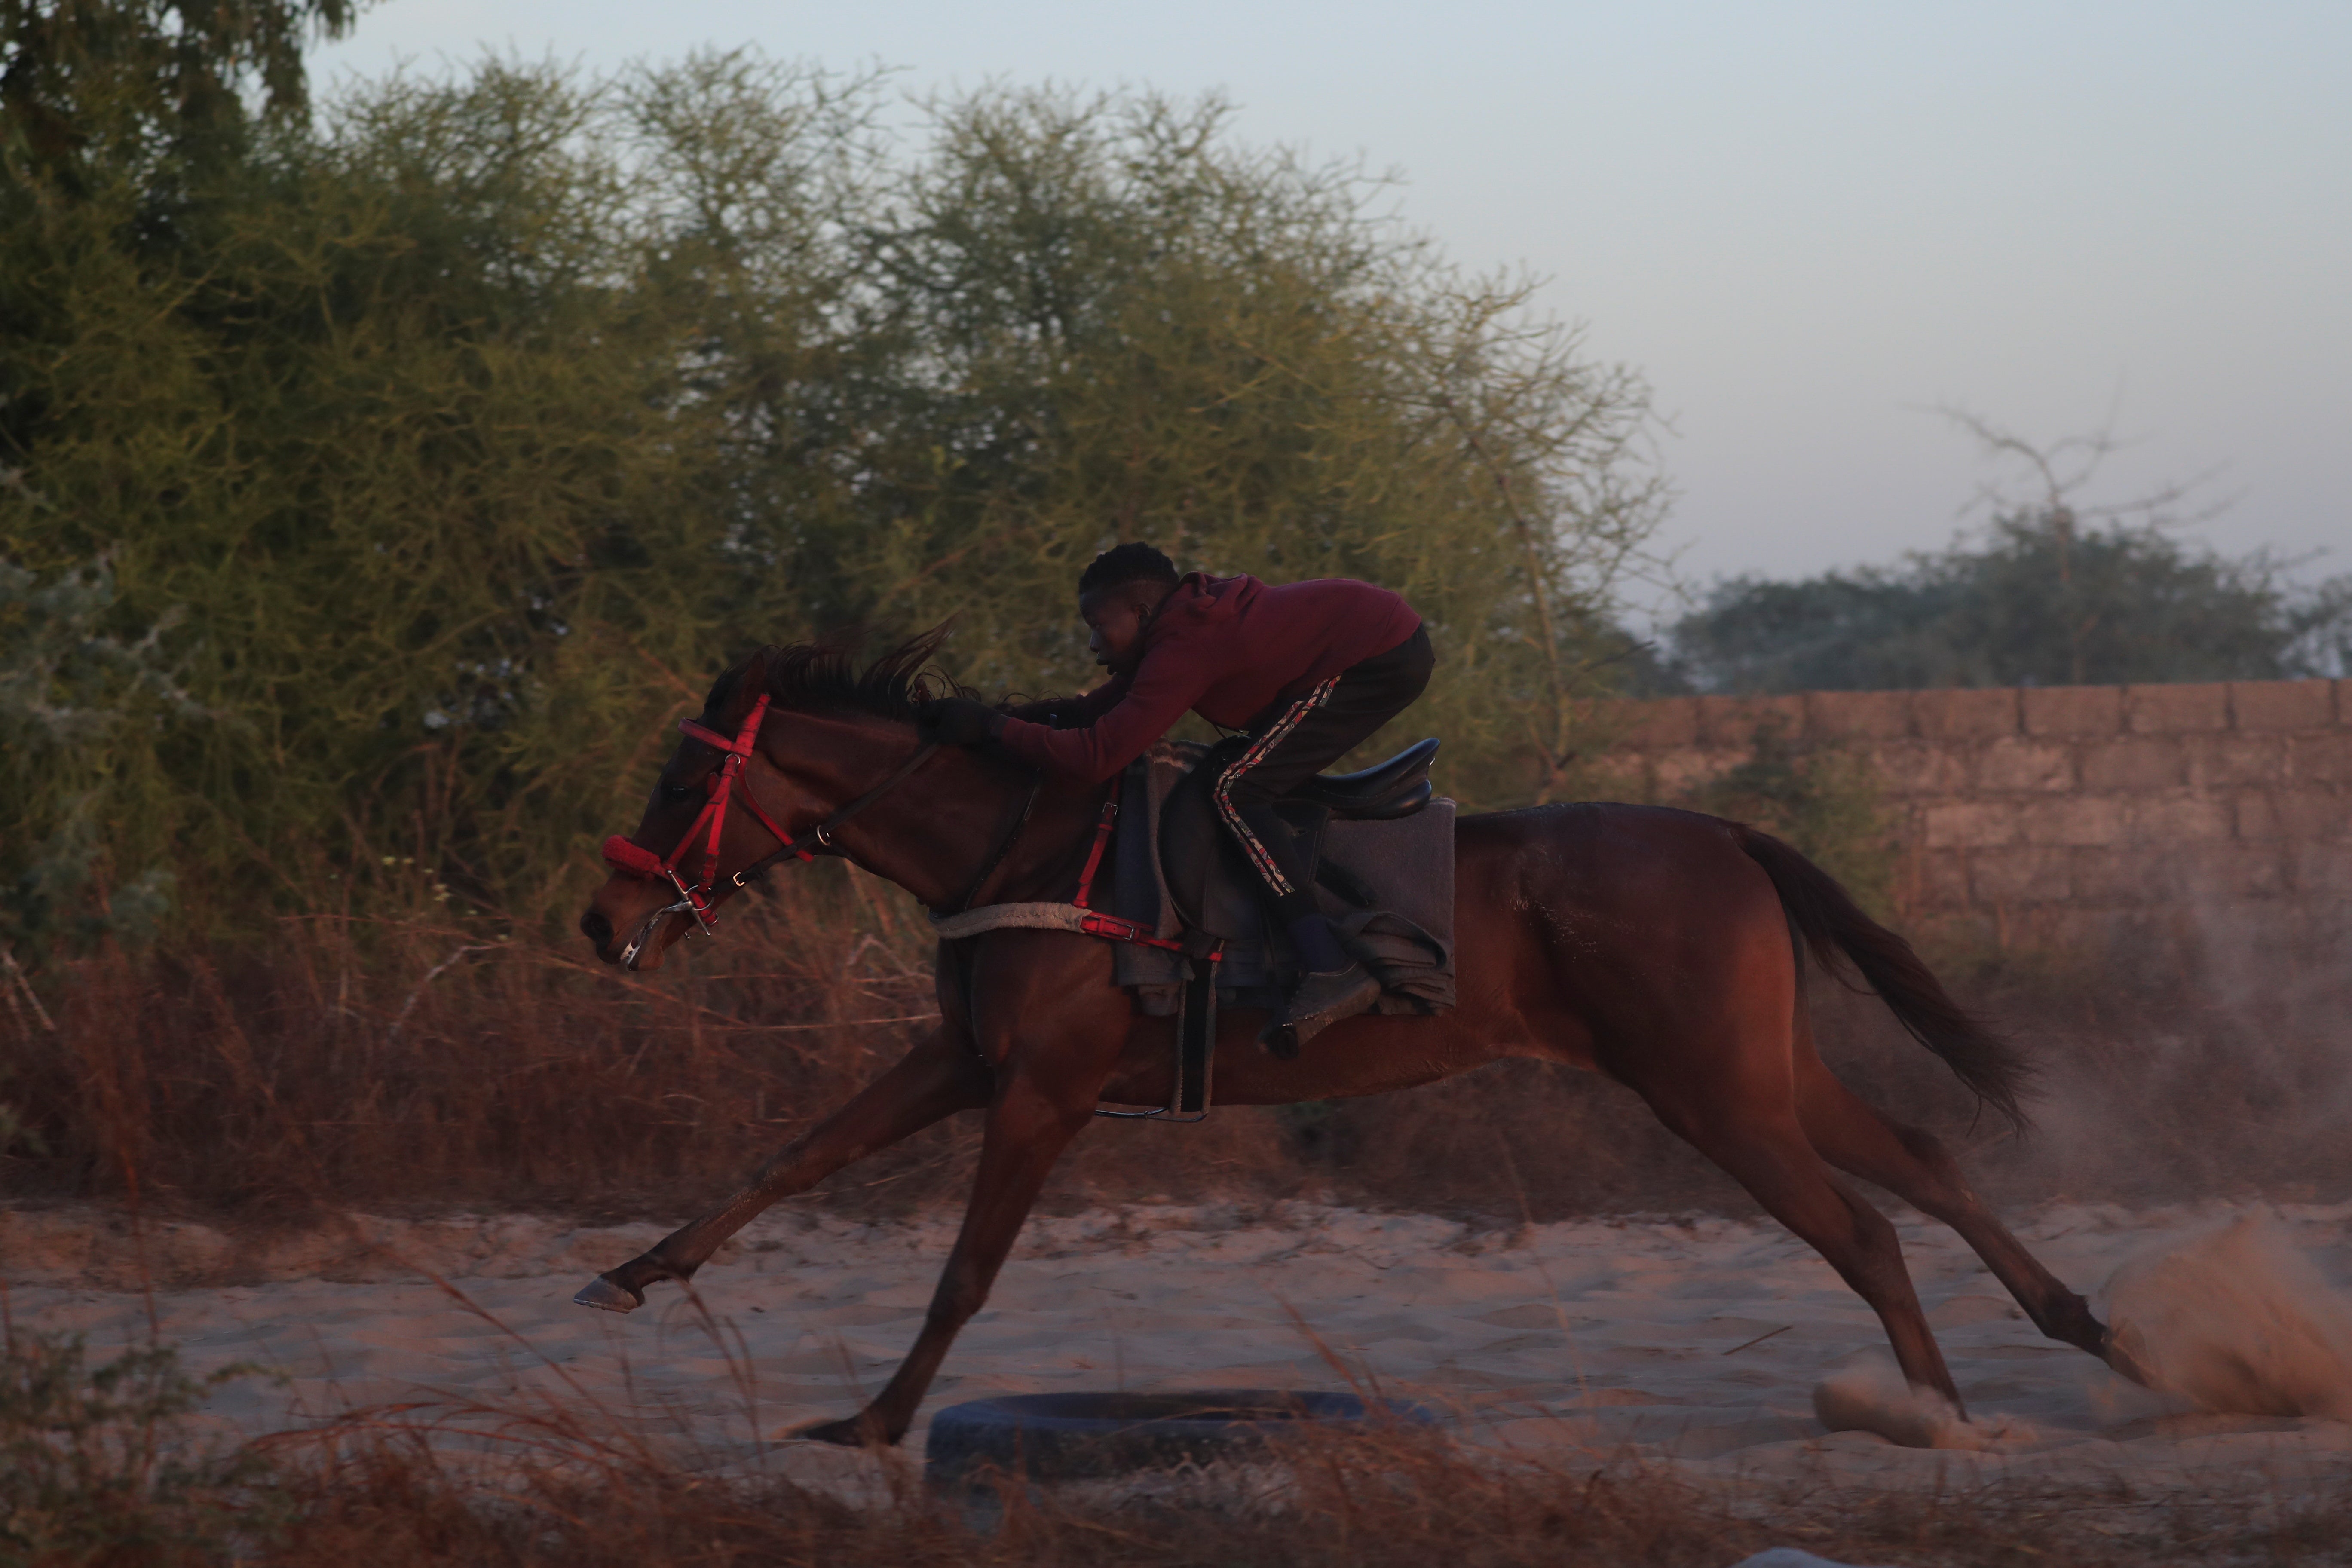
(1058, 1030)
(939, 1077)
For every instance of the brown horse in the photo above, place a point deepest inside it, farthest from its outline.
(1655, 946)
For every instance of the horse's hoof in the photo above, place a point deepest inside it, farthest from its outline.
(2118, 1355)
(605, 1295)
(852, 1432)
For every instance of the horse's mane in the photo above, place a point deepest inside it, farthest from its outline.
(820, 676)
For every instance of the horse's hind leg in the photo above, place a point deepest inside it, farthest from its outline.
(1856, 1137)
(936, 1079)
(1769, 1155)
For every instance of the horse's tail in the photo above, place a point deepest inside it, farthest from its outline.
(1826, 917)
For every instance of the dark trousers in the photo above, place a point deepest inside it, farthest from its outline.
(1300, 738)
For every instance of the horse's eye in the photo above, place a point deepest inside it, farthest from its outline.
(676, 792)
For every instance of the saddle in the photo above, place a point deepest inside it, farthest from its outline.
(1381, 846)
(1203, 869)
(1185, 909)
(1398, 787)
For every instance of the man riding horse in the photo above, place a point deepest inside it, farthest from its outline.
(1661, 949)
(1308, 670)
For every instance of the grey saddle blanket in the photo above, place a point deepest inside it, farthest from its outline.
(1405, 865)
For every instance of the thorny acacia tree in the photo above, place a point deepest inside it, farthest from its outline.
(1129, 330)
(91, 90)
(468, 432)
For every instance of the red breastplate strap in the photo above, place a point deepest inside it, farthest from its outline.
(1113, 928)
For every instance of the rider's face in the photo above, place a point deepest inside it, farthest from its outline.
(1116, 617)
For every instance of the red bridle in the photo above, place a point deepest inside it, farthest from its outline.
(636, 860)
(633, 859)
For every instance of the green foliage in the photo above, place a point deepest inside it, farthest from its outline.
(2039, 602)
(468, 432)
(1128, 330)
(98, 1465)
(1825, 802)
(73, 695)
(87, 86)
(426, 462)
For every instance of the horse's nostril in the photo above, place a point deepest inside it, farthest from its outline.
(596, 929)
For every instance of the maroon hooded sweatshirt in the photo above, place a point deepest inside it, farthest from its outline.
(1226, 648)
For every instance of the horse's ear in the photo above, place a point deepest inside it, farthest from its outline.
(753, 680)
(733, 693)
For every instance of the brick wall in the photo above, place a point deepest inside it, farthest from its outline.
(2170, 823)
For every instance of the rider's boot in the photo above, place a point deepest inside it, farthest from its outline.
(1335, 987)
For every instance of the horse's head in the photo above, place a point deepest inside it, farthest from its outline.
(750, 782)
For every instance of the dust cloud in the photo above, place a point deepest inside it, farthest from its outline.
(2237, 1320)
(2231, 1319)
(1870, 1396)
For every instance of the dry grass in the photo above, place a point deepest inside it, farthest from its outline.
(423, 1064)
(1369, 1504)
(542, 1485)
(327, 1072)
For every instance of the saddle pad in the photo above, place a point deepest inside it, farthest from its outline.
(1174, 854)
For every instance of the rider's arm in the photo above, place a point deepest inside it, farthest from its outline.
(1125, 717)
(1071, 712)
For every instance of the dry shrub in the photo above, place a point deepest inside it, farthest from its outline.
(1376, 1502)
(96, 1465)
(421, 1064)
(424, 1064)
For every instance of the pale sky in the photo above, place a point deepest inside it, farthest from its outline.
(1806, 223)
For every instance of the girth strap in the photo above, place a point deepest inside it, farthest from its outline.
(1078, 915)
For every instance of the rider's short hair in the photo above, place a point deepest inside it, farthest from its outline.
(1125, 563)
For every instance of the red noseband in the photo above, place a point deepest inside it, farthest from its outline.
(630, 860)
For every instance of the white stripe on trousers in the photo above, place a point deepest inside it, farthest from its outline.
(1260, 856)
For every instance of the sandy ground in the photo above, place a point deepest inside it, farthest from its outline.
(1696, 1344)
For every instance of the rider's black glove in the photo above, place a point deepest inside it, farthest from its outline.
(957, 720)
